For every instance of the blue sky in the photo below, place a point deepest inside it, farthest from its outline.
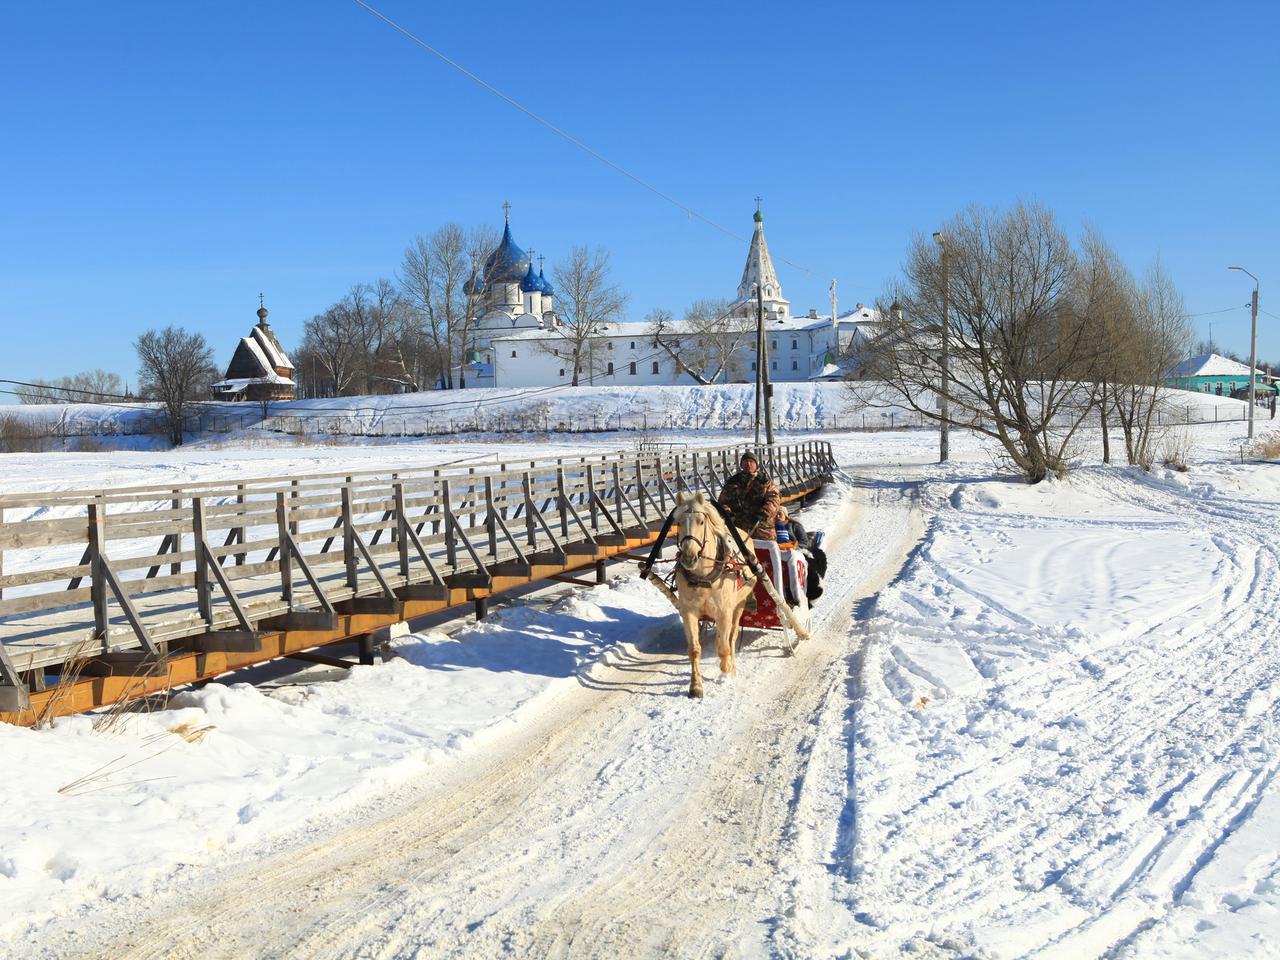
(166, 161)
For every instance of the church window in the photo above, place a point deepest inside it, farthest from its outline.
(633, 346)
(633, 368)
(773, 344)
(773, 365)
(656, 368)
(562, 371)
(795, 364)
(753, 364)
(513, 353)
(610, 344)
(610, 370)
(795, 344)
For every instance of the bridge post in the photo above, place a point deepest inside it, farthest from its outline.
(204, 599)
(617, 492)
(451, 548)
(239, 531)
(283, 552)
(562, 501)
(402, 522)
(97, 575)
(176, 504)
(348, 539)
(490, 518)
(591, 500)
(531, 529)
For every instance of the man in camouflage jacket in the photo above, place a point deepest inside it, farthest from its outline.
(751, 499)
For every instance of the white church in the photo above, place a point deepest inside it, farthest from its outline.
(519, 343)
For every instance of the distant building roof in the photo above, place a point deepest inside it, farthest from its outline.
(1210, 365)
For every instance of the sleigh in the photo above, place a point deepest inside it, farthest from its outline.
(788, 573)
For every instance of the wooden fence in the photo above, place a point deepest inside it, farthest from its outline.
(121, 592)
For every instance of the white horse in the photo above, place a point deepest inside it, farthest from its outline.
(713, 580)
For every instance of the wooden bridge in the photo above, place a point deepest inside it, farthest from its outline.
(107, 595)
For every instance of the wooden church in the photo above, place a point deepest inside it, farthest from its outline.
(259, 369)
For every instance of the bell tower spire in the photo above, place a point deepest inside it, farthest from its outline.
(759, 272)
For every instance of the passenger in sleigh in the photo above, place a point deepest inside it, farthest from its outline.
(790, 530)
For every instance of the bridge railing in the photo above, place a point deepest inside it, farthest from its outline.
(124, 577)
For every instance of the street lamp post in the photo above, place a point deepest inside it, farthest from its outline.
(944, 405)
(1253, 347)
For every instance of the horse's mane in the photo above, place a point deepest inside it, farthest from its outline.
(700, 503)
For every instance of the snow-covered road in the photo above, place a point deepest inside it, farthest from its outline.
(625, 820)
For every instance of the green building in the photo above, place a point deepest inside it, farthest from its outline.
(1210, 373)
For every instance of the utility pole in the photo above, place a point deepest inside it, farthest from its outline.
(762, 364)
(1253, 348)
(944, 404)
(759, 363)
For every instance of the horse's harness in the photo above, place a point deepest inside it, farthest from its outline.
(725, 562)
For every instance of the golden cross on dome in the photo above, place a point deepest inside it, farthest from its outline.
(506, 206)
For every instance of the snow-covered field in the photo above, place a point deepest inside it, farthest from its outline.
(1033, 721)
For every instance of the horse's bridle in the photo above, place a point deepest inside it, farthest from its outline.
(722, 562)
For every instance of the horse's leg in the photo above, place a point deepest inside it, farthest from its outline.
(690, 617)
(724, 631)
(733, 633)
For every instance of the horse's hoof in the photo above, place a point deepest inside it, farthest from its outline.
(696, 694)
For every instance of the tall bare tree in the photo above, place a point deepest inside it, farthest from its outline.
(176, 368)
(330, 338)
(1157, 340)
(1016, 345)
(437, 278)
(587, 302)
(1105, 295)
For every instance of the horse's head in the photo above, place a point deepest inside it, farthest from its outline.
(698, 527)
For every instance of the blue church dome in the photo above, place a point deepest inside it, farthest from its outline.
(474, 287)
(508, 263)
(530, 282)
(546, 285)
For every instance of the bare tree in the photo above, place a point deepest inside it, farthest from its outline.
(1104, 293)
(175, 367)
(330, 339)
(86, 387)
(438, 279)
(1157, 339)
(479, 242)
(1016, 345)
(708, 342)
(587, 303)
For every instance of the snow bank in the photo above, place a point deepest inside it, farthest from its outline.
(1065, 738)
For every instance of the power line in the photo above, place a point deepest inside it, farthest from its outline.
(1210, 313)
(570, 138)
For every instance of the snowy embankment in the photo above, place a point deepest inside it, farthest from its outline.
(1055, 731)
(1066, 734)
(536, 411)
